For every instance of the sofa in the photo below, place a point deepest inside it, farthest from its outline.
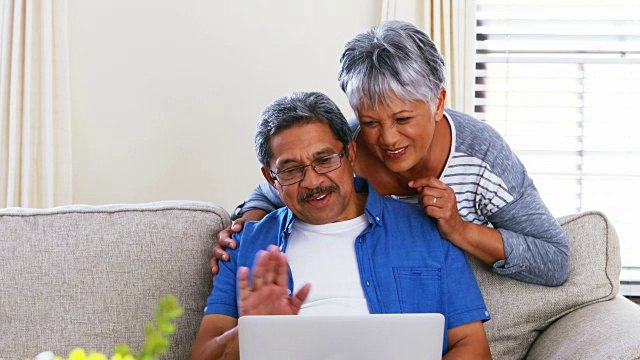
(91, 277)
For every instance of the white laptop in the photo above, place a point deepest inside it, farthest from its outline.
(360, 337)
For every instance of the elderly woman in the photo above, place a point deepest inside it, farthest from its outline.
(457, 168)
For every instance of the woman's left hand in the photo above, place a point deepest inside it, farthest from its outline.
(439, 201)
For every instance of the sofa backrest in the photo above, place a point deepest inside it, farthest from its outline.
(520, 311)
(91, 276)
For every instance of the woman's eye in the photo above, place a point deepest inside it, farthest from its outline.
(403, 120)
(369, 124)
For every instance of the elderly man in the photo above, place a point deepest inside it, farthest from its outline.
(385, 256)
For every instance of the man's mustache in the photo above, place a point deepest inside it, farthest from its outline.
(317, 191)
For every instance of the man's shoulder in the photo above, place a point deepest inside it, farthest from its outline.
(405, 208)
(398, 211)
(259, 234)
(272, 219)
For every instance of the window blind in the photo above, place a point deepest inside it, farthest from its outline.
(560, 80)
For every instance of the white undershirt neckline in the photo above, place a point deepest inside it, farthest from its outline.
(324, 255)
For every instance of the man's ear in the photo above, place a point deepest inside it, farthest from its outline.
(352, 153)
(439, 113)
(267, 175)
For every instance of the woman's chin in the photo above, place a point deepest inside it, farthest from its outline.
(398, 167)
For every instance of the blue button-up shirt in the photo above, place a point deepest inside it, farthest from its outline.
(405, 265)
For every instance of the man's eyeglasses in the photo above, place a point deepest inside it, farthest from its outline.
(296, 174)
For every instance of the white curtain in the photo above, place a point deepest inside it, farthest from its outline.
(451, 25)
(35, 129)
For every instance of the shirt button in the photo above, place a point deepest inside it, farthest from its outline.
(367, 283)
(524, 266)
(377, 218)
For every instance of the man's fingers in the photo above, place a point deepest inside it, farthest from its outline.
(243, 280)
(278, 269)
(298, 299)
(271, 272)
(259, 269)
(282, 274)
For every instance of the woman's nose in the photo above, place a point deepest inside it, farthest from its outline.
(388, 135)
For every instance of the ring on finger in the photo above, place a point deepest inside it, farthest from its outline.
(433, 203)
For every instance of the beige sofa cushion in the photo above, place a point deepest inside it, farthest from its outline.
(605, 330)
(519, 311)
(91, 276)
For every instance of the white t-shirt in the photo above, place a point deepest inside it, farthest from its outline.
(325, 257)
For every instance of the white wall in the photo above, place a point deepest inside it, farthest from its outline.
(166, 93)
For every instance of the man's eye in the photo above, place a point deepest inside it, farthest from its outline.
(289, 171)
(324, 161)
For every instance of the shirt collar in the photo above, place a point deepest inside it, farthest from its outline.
(373, 208)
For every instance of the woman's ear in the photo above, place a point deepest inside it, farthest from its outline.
(439, 113)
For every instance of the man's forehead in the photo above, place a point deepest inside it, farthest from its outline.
(301, 142)
(296, 156)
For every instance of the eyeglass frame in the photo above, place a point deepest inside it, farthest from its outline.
(303, 168)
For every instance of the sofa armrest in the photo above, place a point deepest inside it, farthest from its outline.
(604, 330)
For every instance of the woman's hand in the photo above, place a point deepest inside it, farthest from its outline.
(439, 201)
(226, 242)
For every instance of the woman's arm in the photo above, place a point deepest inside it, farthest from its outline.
(262, 200)
(264, 197)
(526, 242)
(535, 245)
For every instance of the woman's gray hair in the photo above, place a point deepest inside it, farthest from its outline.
(299, 108)
(393, 58)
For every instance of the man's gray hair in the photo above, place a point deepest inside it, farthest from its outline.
(299, 108)
(393, 58)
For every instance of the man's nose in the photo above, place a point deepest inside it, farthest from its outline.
(311, 178)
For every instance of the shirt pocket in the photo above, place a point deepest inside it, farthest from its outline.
(419, 289)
